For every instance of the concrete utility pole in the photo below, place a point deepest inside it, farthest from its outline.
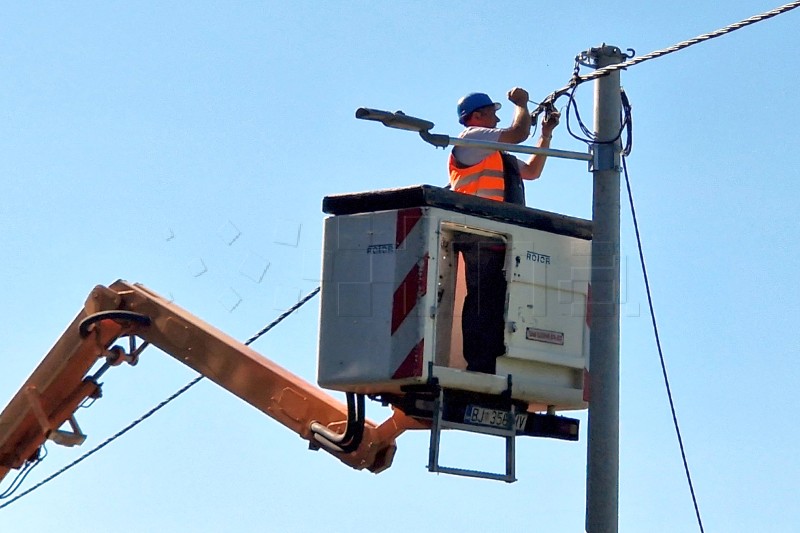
(602, 470)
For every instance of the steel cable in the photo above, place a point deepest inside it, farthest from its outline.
(690, 42)
(660, 351)
(577, 79)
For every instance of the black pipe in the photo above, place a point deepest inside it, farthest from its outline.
(350, 440)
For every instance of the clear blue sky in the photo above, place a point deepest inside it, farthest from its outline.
(138, 137)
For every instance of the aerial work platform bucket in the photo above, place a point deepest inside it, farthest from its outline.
(391, 297)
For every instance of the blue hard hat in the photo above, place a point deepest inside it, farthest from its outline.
(473, 101)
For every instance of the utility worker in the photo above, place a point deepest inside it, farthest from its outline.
(497, 176)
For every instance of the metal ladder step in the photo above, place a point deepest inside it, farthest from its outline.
(438, 424)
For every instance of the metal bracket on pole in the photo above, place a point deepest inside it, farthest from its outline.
(604, 156)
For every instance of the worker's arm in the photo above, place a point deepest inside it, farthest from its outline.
(532, 169)
(521, 125)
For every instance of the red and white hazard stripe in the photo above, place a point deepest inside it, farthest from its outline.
(407, 334)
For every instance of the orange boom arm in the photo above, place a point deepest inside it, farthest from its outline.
(60, 384)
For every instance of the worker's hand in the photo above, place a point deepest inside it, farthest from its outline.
(518, 96)
(550, 121)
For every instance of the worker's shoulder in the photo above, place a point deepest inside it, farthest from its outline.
(479, 133)
(470, 155)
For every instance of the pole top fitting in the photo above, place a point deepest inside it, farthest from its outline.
(603, 55)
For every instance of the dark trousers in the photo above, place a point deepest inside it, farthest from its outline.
(482, 322)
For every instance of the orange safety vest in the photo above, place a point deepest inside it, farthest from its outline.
(484, 179)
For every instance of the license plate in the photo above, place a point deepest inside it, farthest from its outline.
(483, 416)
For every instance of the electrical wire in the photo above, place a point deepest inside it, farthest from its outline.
(148, 414)
(286, 313)
(690, 42)
(106, 442)
(626, 123)
(658, 345)
(577, 79)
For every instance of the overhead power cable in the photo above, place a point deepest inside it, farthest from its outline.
(280, 318)
(152, 411)
(686, 44)
(658, 346)
(577, 79)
